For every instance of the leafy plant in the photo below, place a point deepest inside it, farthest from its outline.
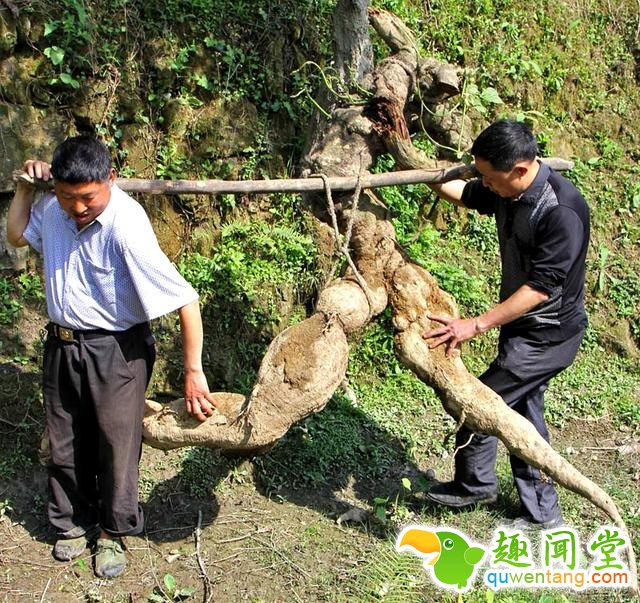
(9, 305)
(17, 460)
(200, 471)
(171, 162)
(70, 32)
(171, 591)
(14, 291)
(252, 259)
(30, 285)
(481, 100)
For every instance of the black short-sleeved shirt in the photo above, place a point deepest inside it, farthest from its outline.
(543, 236)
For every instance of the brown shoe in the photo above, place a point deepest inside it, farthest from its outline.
(109, 560)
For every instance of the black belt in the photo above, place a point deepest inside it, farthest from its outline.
(77, 335)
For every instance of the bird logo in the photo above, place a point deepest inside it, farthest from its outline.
(447, 553)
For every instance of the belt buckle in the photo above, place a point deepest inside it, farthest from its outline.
(65, 334)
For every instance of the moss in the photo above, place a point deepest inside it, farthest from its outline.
(17, 75)
(8, 31)
(27, 132)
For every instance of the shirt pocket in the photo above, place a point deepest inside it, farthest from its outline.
(101, 284)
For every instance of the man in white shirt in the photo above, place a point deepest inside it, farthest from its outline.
(105, 277)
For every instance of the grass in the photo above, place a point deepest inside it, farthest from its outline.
(389, 576)
(588, 389)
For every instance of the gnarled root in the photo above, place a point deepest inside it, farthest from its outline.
(300, 371)
(414, 294)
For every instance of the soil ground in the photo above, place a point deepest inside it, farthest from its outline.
(253, 547)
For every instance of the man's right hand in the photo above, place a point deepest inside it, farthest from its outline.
(40, 170)
(20, 206)
(451, 191)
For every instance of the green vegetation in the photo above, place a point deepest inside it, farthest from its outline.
(20, 394)
(184, 53)
(171, 591)
(14, 292)
(251, 257)
(9, 305)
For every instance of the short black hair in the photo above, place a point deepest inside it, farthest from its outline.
(504, 143)
(81, 159)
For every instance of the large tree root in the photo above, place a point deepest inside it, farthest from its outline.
(302, 368)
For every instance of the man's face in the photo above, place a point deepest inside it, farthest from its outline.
(85, 201)
(506, 184)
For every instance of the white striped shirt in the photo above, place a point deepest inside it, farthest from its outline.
(110, 275)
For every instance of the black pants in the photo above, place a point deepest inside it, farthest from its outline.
(519, 375)
(94, 392)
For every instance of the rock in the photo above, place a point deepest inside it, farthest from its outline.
(630, 449)
(562, 144)
(224, 128)
(167, 223)
(354, 514)
(27, 132)
(617, 338)
(132, 102)
(30, 25)
(160, 55)
(29, 32)
(8, 31)
(178, 116)
(203, 64)
(138, 144)
(17, 74)
(95, 97)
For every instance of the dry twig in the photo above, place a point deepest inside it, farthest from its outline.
(244, 536)
(206, 581)
(46, 588)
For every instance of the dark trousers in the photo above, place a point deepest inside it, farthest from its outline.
(94, 393)
(519, 375)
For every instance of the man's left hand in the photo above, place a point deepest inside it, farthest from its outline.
(452, 332)
(198, 400)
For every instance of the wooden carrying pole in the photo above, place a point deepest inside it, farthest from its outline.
(298, 185)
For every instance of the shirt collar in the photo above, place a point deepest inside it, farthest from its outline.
(534, 192)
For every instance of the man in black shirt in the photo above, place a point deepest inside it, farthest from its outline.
(543, 231)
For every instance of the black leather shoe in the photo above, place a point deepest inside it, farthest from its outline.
(450, 494)
(525, 523)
